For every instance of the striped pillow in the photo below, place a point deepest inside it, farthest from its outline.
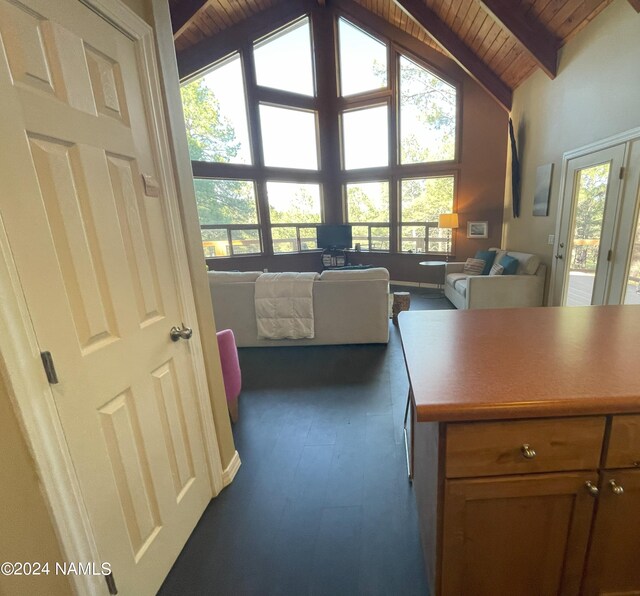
(473, 266)
(496, 269)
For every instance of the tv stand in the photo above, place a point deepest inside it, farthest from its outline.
(333, 258)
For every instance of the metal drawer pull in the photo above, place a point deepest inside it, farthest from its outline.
(615, 487)
(592, 488)
(528, 451)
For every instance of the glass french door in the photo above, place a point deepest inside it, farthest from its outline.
(584, 252)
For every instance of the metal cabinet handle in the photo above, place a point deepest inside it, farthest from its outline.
(615, 487)
(527, 451)
(183, 332)
(592, 488)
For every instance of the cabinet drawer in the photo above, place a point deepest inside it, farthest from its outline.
(496, 448)
(624, 443)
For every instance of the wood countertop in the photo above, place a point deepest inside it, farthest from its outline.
(522, 362)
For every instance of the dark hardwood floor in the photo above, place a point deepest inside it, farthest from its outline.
(321, 503)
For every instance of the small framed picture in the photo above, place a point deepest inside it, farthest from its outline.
(477, 229)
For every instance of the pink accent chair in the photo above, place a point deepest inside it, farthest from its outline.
(230, 370)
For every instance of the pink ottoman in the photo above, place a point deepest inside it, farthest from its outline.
(230, 370)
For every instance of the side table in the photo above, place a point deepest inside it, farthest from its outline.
(401, 301)
(442, 265)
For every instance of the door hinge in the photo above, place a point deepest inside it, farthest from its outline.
(111, 583)
(610, 256)
(622, 171)
(49, 368)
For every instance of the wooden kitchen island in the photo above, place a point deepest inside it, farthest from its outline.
(526, 449)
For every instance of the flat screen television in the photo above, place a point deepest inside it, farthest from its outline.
(334, 236)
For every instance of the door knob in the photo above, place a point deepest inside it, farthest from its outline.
(183, 332)
(558, 256)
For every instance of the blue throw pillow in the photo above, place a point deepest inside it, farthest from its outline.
(488, 257)
(510, 265)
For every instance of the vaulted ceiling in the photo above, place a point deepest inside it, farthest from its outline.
(498, 42)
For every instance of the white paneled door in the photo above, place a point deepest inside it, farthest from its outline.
(597, 255)
(90, 232)
(584, 255)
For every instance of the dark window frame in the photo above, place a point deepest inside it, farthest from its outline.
(329, 106)
(427, 224)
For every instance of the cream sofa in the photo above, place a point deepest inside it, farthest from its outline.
(526, 288)
(350, 307)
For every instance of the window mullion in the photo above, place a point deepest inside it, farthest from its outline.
(325, 48)
(394, 199)
(256, 144)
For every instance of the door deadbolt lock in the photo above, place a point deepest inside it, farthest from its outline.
(182, 332)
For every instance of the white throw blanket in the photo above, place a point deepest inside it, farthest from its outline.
(284, 305)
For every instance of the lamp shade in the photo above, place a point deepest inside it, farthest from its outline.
(448, 220)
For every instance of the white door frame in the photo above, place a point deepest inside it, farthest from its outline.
(619, 139)
(20, 365)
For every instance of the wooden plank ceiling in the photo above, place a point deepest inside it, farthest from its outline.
(499, 42)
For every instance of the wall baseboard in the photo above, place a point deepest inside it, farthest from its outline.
(414, 284)
(229, 473)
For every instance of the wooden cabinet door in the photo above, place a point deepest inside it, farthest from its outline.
(613, 566)
(524, 535)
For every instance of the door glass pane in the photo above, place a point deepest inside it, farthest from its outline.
(590, 198)
(215, 115)
(283, 61)
(427, 115)
(632, 291)
(363, 60)
(366, 140)
(289, 138)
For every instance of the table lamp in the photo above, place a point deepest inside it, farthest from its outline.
(448, 221)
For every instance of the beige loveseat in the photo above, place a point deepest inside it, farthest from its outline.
(526, 288)
(350, 307)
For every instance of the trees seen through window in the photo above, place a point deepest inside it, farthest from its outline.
(291, 205)
(263, 192)
(422, 200)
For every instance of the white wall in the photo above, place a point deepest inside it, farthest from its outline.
(595, 95)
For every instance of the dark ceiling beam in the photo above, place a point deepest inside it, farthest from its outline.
(182, 14)
(466, 58)
(536, 40)
(199, 56)
(635, 4)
